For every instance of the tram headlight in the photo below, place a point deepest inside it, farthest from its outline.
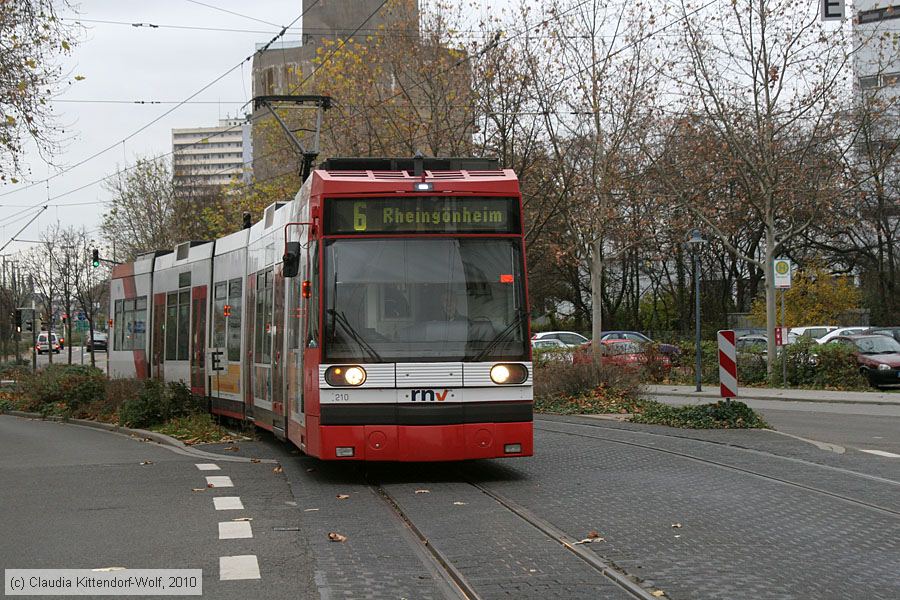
(355, 376)
(508, 374)
(345, 376)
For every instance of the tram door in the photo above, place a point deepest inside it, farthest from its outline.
(263, 337)
(157, 360)
(198, 340)
(279, 423)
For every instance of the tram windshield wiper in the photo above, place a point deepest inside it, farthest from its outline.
(341, 319)
(515, 323)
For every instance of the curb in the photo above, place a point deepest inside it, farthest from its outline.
(741, 397)
(160, 438)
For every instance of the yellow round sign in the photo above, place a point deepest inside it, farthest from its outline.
(782, 267)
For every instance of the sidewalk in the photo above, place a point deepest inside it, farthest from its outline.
(711, 393)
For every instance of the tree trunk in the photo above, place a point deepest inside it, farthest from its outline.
(596, 300)
(771, 312)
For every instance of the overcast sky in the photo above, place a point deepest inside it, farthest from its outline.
(122, 62)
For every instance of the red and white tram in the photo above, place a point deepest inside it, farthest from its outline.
(380, 315)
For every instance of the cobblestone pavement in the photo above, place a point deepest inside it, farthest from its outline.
(740, 534)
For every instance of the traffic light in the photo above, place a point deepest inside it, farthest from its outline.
(95, 258)
(18, 319)
(29, 325)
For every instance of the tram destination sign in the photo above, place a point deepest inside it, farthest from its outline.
(421, 214)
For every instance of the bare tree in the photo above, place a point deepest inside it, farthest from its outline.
(32, 38)
(143, 215)
(768, 77)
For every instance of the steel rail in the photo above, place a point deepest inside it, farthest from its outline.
(442, 566)
(609, 426)
(726, 466)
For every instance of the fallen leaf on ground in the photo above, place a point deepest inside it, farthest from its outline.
(278, 469)
(231, 448)
(198, 489)
(254, 460)
(209, 485)
(336, 537)
(423, 491)
(243, 519)
(147, 462)
(343, 496)
(593, 534)
(676, 525)
(590, 540)
(658, 593)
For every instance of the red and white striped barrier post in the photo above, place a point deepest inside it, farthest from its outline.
(728, 383)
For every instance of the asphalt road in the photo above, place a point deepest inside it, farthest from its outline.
(75, 497)
(856, 427)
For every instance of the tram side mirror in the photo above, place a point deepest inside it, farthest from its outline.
(291, 259)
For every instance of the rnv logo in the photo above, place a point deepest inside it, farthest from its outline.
(428, 395)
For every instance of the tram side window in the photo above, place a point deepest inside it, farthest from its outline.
(234, 321)
(264, 299)
(184, 323)
(118, 325)
(171, 326)
(219, 301)
(140, 323)
(129, 323)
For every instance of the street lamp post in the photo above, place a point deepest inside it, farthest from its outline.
(695, 242)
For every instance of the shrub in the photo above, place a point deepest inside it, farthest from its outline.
(719, 415)
(62, 389)
(709, 356)
(157, 402)
(563, 387)
(810, 364)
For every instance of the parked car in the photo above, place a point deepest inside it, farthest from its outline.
(841, 331)
(569, 338)
(553, 349)
(627, 354)
(755, 343)
(814, 332)
(671, 350)
(47, 343)
(548, 344)
(893, 332)
(98, 342)
(878, 357)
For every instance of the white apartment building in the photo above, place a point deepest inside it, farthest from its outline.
(204, 157)
(876, 63)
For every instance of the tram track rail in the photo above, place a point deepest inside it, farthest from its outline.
(466, 590)
(724, 465)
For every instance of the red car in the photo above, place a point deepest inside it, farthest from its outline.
(621, 353)
(878, 357)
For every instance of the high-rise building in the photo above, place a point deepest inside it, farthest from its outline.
(286, 66)
(209, 157)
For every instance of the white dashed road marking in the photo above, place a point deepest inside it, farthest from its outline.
(233, 530)
(228, 503)
(238, 567)
(881, 453)
(207, 466)
(219, 481)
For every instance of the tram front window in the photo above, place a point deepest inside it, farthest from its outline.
(394, 300)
